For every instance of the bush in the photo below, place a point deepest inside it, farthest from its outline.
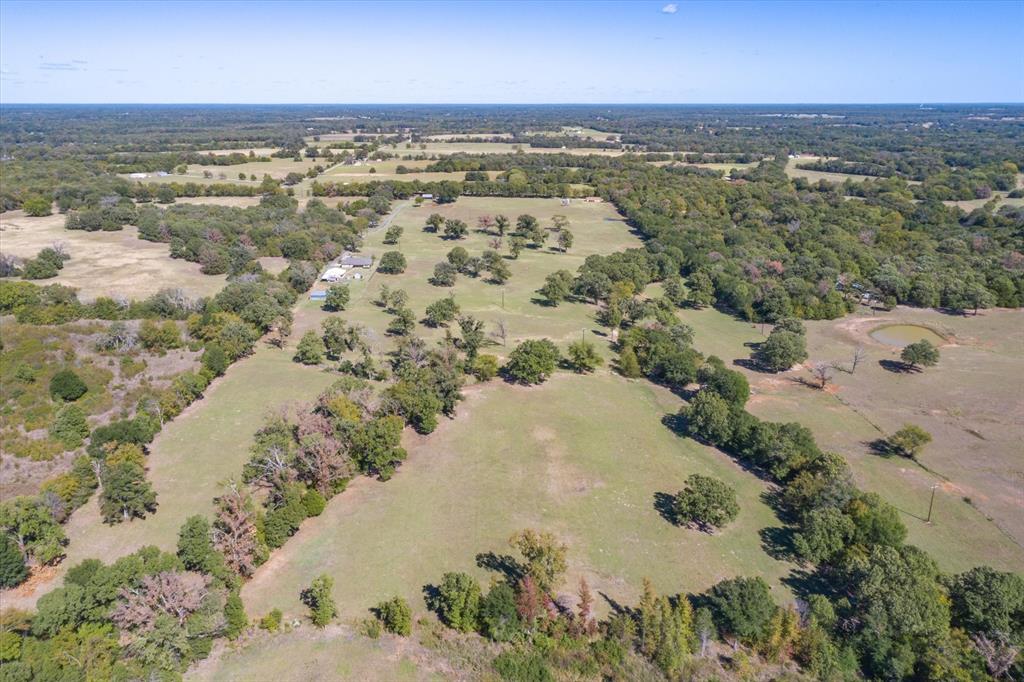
(782, 350)
(70, 427)
(444, 274)
(392, 263)
(37, 268)
(319, 600)
(583, 357)
(909, 441)
(442, 311)
(522, 666)
(396, 616)
(532, 361)
(215, 359)
(272, 621)
(485, 367)
(314, 503)
(743, 607)
(66, 385)
(159, 337)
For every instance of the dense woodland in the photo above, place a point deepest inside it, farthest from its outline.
(757, 244)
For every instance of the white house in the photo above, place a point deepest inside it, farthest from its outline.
(333, 274)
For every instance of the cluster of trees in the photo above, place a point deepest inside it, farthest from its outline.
(46, 264)
(148, 615)
(878, 606)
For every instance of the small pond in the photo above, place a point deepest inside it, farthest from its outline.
(901, 335)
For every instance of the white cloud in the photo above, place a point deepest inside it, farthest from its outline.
(670, 8)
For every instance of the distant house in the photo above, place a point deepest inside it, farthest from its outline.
(426, 196)
(138, 176)
(318, 296)
(350, 261)
(333, 274)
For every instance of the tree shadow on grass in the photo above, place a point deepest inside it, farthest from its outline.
(431, 596)
(897, 367)
(503, 564)
(665, 504)
(777, 542)
(615, 606)
(675, 422)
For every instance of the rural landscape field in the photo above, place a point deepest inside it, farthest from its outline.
(582, 381)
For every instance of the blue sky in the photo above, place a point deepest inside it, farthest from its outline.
(496, 52)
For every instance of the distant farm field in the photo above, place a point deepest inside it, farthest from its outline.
(104, 263)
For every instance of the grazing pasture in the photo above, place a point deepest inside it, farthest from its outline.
(596, 228)
(966, 402)
(104, 263)
(581, 456)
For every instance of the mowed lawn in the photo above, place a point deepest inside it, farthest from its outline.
(972, 404)
(596, 227)
(580, 456)
(104, 263)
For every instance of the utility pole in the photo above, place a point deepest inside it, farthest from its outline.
(931, 504)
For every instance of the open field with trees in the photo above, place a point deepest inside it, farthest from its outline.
(104, 263)
(657, 434)
(585, 457)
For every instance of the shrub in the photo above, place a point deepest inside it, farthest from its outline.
(396, 616)
(66, 385)
(392, 235)
(319, 600)
(522, 666)
(532, 361)
(583, 357)
(909, 441)
(215, 359)
(782, 350)
(485, 367)
(442, 311)
(444, 274)
(38, 268)
(70, 427)
(392, 263)
(37, 206)
(272, 621)
(314, 503)
(743, 607)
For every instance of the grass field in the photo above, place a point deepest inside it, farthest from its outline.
(312, 655)
(597, 228)
(976, 421)
(581, 456)
(196, 452)
(385, 170)
(104, 263)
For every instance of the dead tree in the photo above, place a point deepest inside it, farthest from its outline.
(822, 371)
(858, 356)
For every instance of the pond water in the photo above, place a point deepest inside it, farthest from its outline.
(901, 335)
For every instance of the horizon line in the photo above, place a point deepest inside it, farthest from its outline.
(513, 104)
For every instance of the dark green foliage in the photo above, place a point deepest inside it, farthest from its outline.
(557, 287)
(126, 493)
(314, 503)
(311, 349)
(989, 602)
(522, 666)
(498, 617)
(663, 354)
(215, 359)
(444, 275)
(376, 446)
(66, 385)
(234, 615)
(392, 263)
(70, 427)
(442, 311)
(396, 616)
(285, 514)
(921, 353)
(457, 601)
(195, 547)
(708, 418)
(782, 350)
(743, 608)
(706, 502)
(532, 361)
(729, 384)
(319, 600)
(140, 430)
(13, 570)
(337, 297)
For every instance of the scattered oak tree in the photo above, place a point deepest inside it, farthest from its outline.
(706, 502)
